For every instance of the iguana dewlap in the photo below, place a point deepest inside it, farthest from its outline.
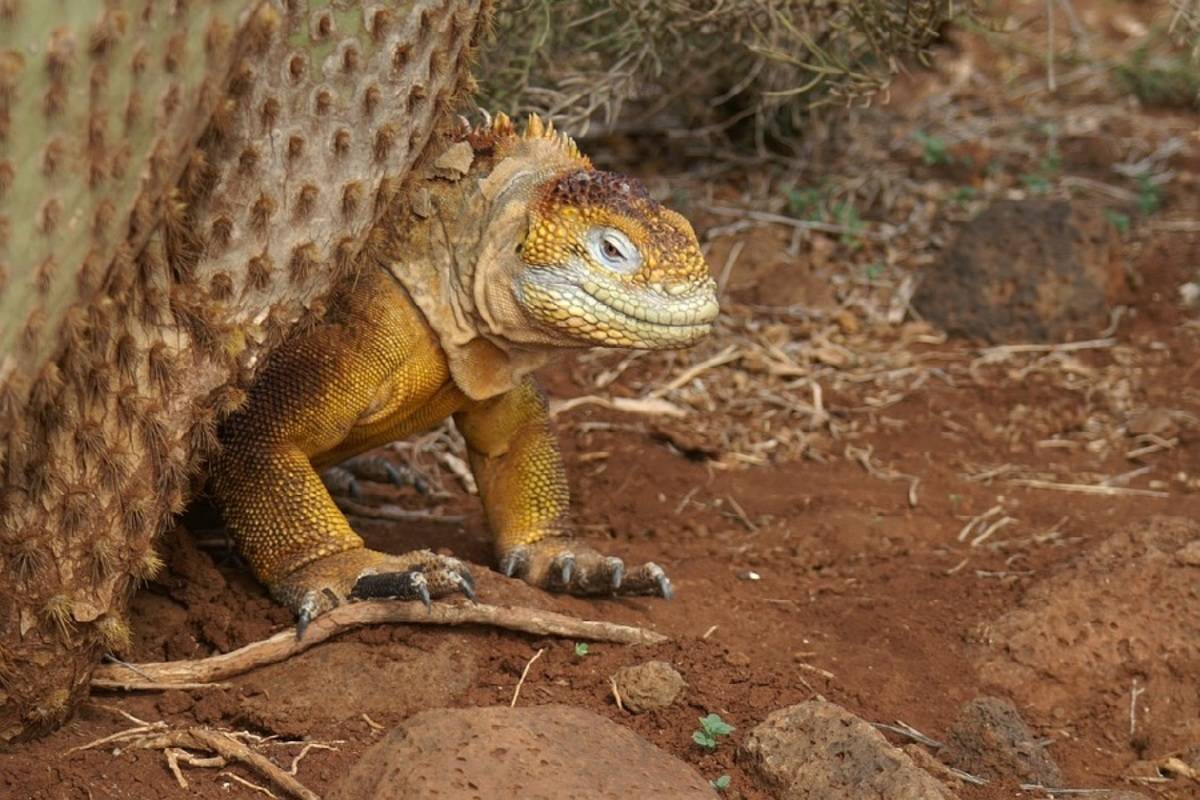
(511, 250)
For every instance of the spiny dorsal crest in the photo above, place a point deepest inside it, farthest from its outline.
(502, 127)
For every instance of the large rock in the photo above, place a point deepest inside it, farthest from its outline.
(416, 679)
(989, 739)
(820, 751)
(1022, 271)
(549, 752)
(1124, 617)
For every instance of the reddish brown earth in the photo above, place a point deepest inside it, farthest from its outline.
(856, 603)
(865, 598)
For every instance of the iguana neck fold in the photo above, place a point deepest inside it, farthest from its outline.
(455, 252)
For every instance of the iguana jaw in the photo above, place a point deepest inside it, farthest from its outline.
(588, 311)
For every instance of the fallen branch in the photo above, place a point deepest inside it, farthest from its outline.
(230, 749)
(284, 644)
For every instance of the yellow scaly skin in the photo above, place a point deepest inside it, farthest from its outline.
(546, 254)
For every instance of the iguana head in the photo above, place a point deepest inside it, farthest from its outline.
(597, 260)
(608, 265)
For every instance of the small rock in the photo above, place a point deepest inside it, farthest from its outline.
(989, 739)
(820, 751)
(535, 753)
(174, 702)
(648, 686)
(1025, 271)
(1189, 554)
(1189, 293)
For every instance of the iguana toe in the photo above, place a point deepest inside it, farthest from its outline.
(410, 585)
(346, 478)
(563, 566)
(362, 574)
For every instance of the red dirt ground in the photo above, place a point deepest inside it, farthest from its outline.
(864, 599)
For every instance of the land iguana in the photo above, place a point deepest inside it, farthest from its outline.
(512, 249)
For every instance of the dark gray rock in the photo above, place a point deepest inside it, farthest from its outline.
(1026, 271)
(990, 740)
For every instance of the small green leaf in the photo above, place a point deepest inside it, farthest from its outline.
(1118, 220)
(715, 726)
(804, 203)
(1149, 194)
(1035, 183)
(581, 649)
(721, 783)
(704, 740)
(963, 195)
(934, 151)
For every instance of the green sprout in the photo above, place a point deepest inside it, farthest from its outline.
(806, 204)
(963, 195)
(581, 649)
(846, 215)
(1149, 194)
(1118, 220)
(721, 783)
(1035, 182)
(934, 151)
(711, 727)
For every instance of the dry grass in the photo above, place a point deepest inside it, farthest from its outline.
(708, 65)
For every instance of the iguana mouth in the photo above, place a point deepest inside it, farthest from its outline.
(691, 311)
(607, 316)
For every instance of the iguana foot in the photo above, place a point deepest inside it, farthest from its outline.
(560, 565)
(362, 574)
(345, 479)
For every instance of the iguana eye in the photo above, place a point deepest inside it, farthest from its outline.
(612, 249)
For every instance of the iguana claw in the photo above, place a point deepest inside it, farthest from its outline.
(565, 564)
(512, 563)
(561, 565)
(617, 571)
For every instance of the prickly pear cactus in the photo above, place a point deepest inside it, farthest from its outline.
(179, 184)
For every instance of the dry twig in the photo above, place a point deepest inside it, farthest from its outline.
(524, 675)
(1087, 488)
(284, 644)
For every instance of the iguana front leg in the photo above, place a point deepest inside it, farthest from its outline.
(517, 465)
(312, 392)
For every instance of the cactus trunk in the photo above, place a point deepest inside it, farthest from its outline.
(179, 185)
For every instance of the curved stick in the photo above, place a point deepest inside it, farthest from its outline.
(168, 674)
